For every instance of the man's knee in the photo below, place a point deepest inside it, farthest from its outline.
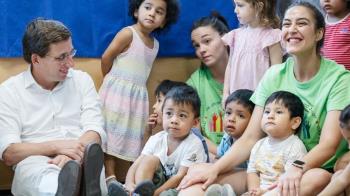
(310, 186)
(36, 181)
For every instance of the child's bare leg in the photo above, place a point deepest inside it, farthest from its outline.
(192, 190)
(109, 166)
(346, 173)
(342, 162)
(347, 191)
(310, 186)
(334, 176)
(147, 168)
(237, 179)
(113, 164)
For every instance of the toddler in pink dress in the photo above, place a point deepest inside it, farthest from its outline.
(254, 46)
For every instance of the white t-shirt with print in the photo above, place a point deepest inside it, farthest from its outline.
(270, 158)
(189, 151)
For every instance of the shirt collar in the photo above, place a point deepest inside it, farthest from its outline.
(30, 81)
(228, 139)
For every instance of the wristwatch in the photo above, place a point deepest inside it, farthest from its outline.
(299, 164)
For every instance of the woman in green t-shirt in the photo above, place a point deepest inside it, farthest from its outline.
(324, 88)
(209, 78)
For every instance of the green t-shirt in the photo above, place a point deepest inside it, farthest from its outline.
(328, 90)
(210, 93)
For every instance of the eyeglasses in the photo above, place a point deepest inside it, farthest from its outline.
(63, 57)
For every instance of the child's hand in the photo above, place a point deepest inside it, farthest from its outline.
(257, 192)
(157, 192)
(152, 121)
(130, 187)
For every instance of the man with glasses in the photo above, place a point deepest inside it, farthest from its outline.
(51, 125)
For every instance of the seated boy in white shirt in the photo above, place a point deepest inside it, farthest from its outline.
(270, 156)
(167, 155)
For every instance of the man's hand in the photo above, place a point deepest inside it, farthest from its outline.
(289, 182)
(59, 160)
(152, 121)
(199, 173)
(71, 148)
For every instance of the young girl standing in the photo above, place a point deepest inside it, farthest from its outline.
(337, 35)
(126, 65)
(254, 47)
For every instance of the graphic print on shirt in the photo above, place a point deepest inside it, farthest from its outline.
(214, 121)
(311, 121)
(170, 169)
(269, 167)
(345, 30)
(193, 158)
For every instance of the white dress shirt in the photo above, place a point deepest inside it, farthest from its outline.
(29, 113)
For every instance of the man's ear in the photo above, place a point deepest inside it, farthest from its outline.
(35, 59)
(296, 121)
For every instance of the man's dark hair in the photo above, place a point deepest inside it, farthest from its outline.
(292, 102)
(39, 34)
(185, 95)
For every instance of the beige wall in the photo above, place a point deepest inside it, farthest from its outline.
(178, 69)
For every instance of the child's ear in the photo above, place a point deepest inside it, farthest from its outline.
(196, 122)
(260, 6)
(136, 13)
(296, 121)
(163, 24)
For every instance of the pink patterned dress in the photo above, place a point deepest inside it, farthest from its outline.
(125, 99)
(249, 55)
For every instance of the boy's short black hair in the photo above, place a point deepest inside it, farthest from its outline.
(289, 100)
(242, 96)
(172, 12)
(166, 85)
(185, 95)
(345, 115)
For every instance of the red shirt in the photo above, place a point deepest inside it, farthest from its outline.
(337, 41)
